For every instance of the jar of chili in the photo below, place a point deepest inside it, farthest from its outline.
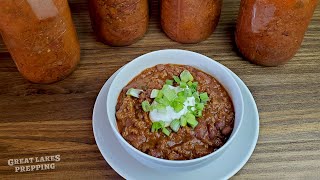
(190, 21)
(119, 22)
(270, 32)
(40, 37)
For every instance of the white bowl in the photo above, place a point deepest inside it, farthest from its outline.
(201, 62)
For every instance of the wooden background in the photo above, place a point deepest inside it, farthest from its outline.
(37, 120)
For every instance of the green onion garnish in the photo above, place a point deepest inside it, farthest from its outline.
(169, 82)
(175, 125)
(183, 84)
(169, 93)
(186, 76)
(181, 93)
(134, 92)
(180, 99)
(157, 125)
(199, 114)
(175, 98)
(204, 97)
(154, 93)
(191, 108)
(163, 101)
(196, 97)
(159, 107)
(199, 106)
(194, 86)
(191, 120)
(146, 106)
(183, 121)
(160, 94)
(165, 131)
(176, 79)
(188, 92)
(177, 106)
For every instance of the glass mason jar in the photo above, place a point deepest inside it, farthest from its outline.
(270, 32)
(40, 37)
(190, 21)
(119, 22)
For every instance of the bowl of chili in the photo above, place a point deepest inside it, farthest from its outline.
(174, 109)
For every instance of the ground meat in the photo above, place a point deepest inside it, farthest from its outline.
(213, 130)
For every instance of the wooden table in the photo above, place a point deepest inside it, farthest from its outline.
(39, 120)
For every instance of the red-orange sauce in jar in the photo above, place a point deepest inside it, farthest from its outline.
(270, 32)
(119, 22)
(190, 21)
(40, 37)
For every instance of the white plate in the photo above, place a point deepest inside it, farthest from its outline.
(232, 160)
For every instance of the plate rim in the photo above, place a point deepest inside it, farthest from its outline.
(256, 114)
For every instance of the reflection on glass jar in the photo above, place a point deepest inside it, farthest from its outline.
(40, 37)
(270, 32)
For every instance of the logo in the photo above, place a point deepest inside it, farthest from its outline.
(30, 164)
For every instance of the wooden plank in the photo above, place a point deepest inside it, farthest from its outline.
(39, 120)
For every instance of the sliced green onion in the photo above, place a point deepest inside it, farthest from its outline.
(199, 114)
(162, 123)
(177, 106)
(199, 106)
(165, 131)
(183, 84)
(183, 121)
(157, 125)
(186, 76)
(191, 120)
(176, 79)
(134, 92)
(154, 93)
(181, 94)
(160, 94)
(163, 101)
(158, 100)
(190, 116)
(188, 92)
(195, 112)
(204, 97)
(196, 97)
(181, 99)
(194, 86)
(169, 93)
(146, 106)
(175, 125)
(159, 107)
(191, 108)
(169, 82)
(193, 123)
(176, 97)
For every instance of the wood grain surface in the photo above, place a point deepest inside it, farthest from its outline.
(39, 120)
